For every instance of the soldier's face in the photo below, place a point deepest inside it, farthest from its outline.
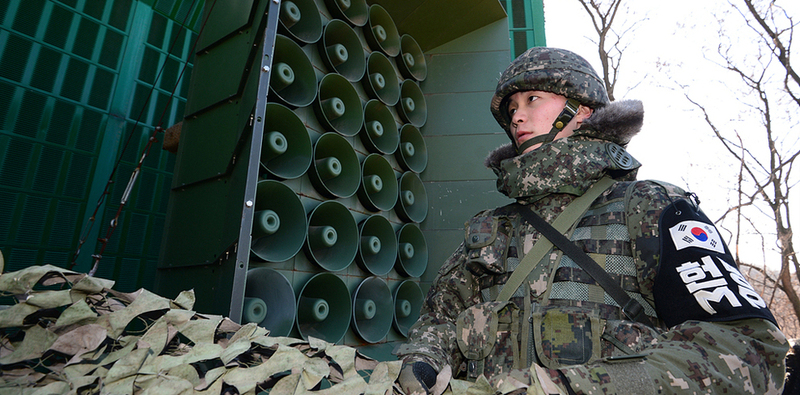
(532, 114)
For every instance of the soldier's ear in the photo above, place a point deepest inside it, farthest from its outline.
(583, 113)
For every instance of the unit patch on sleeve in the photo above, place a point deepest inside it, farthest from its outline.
(698, 278)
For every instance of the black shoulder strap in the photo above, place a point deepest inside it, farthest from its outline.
(631, 308)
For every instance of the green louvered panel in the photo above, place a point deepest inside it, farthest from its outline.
(54, 257)
(62, 235)
(526, 24)
(48, 169)
(46, 70)
(31, 227)
(71, 91)
(150, 268)
(18, 154)
(85, 42)
(156, 231)
(112, 45)
(61, 21)
(146, 192)
(78, 175)
(63, 116)
(93, 123)
(7, 92)
(73, 87)
(15, 57)
(163, 67)
(27, 18)
(3, 9)
(151, 60)
(128, 274)
(17, 258)
(8, 203)
(100, 93)
(135, 235)
(30, 119)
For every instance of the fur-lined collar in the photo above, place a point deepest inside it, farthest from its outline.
(617, 122)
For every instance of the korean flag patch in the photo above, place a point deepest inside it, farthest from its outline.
(696, 234)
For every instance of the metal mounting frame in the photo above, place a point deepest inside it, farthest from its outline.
(257, 137)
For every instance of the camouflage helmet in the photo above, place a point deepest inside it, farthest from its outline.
(551, 70)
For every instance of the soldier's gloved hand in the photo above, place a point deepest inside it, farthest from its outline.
(417, 378)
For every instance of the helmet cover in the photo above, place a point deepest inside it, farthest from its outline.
(552, 70)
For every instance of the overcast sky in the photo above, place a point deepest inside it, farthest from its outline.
(675, 43)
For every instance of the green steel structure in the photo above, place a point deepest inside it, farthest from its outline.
(75, 77)
(525, 24)
(83, 84)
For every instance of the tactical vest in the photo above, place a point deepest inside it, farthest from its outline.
(559, 316)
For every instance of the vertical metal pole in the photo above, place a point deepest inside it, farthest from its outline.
(249, 203)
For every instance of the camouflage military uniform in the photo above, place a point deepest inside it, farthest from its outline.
(560, 318)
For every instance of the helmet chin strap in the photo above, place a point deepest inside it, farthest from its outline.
(569, 111)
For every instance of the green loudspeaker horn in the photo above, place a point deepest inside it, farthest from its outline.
(379, 133)
(254, 310)
(354, 11)
(412, 107)
(279, 224)
(380, 81)
(300, 20)
(323, 308)
(286, 150)
(412, 251)
(381, 32)
(378, 247)
(412, 62)
(378, 189)
(332, 240)
(341, 50)
(335, 171)
(269, 293)
(293, 80)
(372, 309)
(338, 106)
(413, 200)
(407, 305)
(412, 152)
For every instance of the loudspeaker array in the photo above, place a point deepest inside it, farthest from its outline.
(340, 183)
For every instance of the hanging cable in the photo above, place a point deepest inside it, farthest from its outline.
(134, 176)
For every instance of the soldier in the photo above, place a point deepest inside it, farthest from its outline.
(643, 296)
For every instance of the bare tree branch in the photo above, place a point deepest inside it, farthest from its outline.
(765, 98)
(602, 20)
(775, 41)
(764, 165)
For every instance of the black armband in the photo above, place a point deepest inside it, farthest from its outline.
(698, 278)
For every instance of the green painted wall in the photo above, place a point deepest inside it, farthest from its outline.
(461, 130)
(462, 76)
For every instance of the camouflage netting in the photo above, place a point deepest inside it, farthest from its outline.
(72, 334)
